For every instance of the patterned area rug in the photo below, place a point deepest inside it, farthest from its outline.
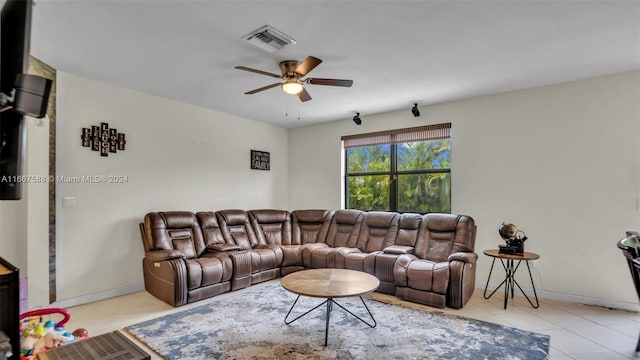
(249, 324)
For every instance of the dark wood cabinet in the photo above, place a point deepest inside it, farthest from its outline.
(10, 305)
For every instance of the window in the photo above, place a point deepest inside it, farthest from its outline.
(405, 170)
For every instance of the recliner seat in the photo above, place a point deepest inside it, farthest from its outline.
(378, 231)
(178, 268)
(343, 233)
(405, 242)
(442, 269)
(265, 259)
(309, 230)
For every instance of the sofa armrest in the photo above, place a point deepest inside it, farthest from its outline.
(399, 250)
(166, 278)
(468, 257)
(462, 278)
(223, 247)
(162, 255)
(344, 251)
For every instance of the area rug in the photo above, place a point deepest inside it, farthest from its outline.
(249, 324)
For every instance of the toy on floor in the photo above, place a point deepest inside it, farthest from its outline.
(38, 334)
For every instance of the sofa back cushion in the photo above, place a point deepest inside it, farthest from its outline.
(408, 229)
(310, 226)
(236, 228)
(345, 228)
(379, 230)
(443, 234)
(271, 226)
(174, 230)
(210, 228)
(465, 240)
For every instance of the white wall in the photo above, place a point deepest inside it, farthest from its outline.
(177, 157)
(561, 162)
(36, 194)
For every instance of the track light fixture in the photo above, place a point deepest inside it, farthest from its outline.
(356, 119)
(415, 110)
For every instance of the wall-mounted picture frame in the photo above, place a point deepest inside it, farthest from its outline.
(103, 139)
(260, 160)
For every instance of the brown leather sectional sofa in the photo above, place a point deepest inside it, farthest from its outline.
(427, 259)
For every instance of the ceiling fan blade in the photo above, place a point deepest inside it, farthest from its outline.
(307, 65)
(262, 88)
(304, 95)
(258, 71)
(332, 82)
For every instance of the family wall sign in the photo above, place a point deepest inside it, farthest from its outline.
(103, 139)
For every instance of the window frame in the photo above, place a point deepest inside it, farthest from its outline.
(393, 172)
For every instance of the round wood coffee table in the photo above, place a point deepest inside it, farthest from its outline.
(330, 284)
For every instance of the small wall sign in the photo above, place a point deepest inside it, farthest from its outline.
(260, 160)
(102, 139)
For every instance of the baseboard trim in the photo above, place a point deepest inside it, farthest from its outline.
(107, 294)
(542, 294)
(578, 299)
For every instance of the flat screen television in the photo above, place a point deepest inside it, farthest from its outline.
(20, 94)
(15, 36)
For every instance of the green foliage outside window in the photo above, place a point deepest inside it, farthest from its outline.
(369, 192)
(405, 177)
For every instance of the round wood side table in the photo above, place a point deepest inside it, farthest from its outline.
(510, 266)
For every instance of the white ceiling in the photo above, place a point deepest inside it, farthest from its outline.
(397, 52)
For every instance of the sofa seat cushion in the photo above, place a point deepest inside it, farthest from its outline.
(208, 270)
(308, 250)
(293, 255)
(423, 275)
(354, 259)
(429, 276)
(322, 257)
(265, 257)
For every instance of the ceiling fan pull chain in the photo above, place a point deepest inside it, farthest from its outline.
(286, 108)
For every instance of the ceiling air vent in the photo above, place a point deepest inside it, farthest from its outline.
(269, 39)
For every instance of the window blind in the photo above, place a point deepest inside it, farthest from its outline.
(419, 133)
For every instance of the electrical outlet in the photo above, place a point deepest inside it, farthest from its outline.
(68, 201)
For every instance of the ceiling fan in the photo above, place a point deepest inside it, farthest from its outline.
(292, 74)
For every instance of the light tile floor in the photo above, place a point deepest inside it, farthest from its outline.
(577, 331)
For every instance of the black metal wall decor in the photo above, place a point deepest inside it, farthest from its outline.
(102, 139)
(260, 160)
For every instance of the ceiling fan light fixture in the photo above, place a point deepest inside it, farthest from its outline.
(292, 78)
(292, 86)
